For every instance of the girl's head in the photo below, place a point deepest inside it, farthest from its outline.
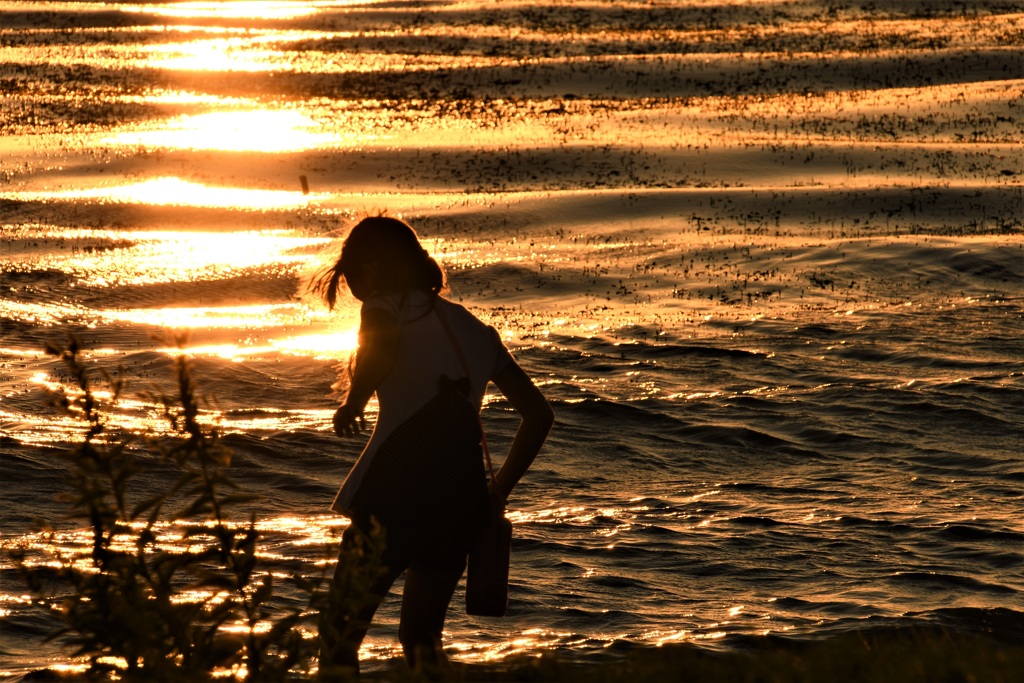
(381, 255)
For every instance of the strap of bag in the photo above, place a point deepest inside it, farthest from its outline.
(465, 368)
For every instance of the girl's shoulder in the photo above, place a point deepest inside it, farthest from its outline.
(458, 314)
(483, 337)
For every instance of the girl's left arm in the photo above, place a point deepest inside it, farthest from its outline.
(375, 358)
(537, 416)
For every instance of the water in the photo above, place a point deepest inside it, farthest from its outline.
(765, 260)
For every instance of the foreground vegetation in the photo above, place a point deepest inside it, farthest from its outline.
(172, 587)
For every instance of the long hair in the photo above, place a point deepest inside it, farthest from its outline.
(391, 245)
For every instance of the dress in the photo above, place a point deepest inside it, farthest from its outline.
(427, 420)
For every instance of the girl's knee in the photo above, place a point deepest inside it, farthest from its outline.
(411, 637)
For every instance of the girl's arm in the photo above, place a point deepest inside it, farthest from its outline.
(537, 420)
(375, 358)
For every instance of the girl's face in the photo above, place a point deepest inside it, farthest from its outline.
(362, 281)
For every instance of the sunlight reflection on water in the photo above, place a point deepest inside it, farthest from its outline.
(246, 9)
(170, 191)
(237, 131)
(248, 318)
(321, 346)
(124, 257)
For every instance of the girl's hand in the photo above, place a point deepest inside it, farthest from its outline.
(348, 421)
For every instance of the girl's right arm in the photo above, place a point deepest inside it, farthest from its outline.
(533, 430)
(375, 358)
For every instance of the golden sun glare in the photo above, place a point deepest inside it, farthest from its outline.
(247, 9)
(170, 191)
(235, 131)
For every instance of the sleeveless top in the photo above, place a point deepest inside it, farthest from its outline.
(424, 449)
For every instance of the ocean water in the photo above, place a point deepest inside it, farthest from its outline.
(765, 259)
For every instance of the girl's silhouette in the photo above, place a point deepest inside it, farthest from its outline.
(421, 475)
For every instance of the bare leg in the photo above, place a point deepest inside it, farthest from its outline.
(424, 607)
(358, 587)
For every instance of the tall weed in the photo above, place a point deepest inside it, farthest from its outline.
(156, 609)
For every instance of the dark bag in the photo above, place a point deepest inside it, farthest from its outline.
(487, 573)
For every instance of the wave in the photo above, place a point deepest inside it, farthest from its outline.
(941, 580)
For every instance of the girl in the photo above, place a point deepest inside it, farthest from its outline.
(421, 476)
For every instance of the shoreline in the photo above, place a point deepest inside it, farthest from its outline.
(877, 654)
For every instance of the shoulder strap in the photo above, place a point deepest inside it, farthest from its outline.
(465, 368)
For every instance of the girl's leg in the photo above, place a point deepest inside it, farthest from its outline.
(360, 583)
(425, 599)
(442, 545)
